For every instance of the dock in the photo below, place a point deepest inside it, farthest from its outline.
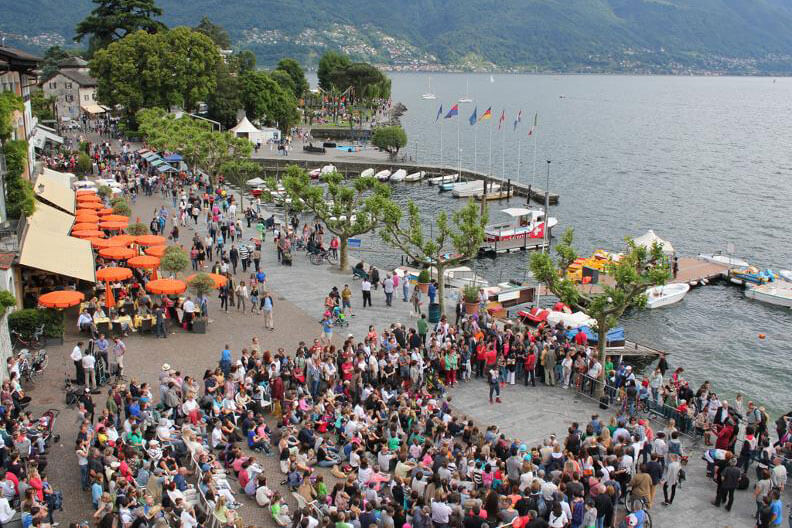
(515, 244)
(698, 272)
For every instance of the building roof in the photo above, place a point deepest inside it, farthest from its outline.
(80, 78)
(73, 62)
(19, 60)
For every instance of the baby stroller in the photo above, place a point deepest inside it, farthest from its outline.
(339, 318)
(286, 258)
(42, 433)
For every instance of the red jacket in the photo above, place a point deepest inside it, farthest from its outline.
(530, 362)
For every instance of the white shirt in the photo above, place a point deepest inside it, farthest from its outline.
(365, 285)
(188, 306)
(187, 520)
(88, 361)
(76, 354)
(6, 512)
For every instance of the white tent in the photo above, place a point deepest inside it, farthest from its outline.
(649, 238)
(255, 182)
(246, 129)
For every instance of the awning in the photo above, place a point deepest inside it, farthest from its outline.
(66, 178)
(157, 162)
(48, 217)
(166, 168)
(42, 134)
(173, 158)
(52, 190)
(150, 156)
(57, 253)
(94, 108)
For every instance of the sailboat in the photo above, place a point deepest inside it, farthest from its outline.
(429, 95)
(492, 79)
(467, 98)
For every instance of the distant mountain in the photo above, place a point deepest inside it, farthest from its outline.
(660, 36)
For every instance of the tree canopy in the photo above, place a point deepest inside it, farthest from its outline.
(112, 20)
(217, 33)
(295, 71)
(331, 62)
(390, 139)
(364, 82)
(175, 67)
(266, 100)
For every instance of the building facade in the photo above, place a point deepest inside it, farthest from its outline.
(73, 88)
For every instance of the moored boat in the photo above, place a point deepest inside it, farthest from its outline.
(446, 178)
(751, 275)
(383, 175)
(415, 176)
(473, 190)
(398, 176)
(732, 262)
(525, 223)
(666, 294)
(778, 293)
(367, 173)
(785, 275)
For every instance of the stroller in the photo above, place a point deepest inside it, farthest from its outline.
(286, 258)
(42, 434)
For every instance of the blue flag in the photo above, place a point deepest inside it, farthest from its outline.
(474, 117)
(439, 113)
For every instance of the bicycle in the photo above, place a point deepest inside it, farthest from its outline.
(32, 364)
(639, 507)
(35, 341)
(319, 257)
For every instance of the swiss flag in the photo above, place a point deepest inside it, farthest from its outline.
(538, 231)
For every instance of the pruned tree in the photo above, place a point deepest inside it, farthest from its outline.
(390, 139)
(450, 243)
(175, 260)
(639, 269)
(237, 173)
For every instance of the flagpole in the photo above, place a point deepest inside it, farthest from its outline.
(475, 147)
(519, 158)
(534, 132)
(441, 148)
(490, 150)
(459, 150)
(503, 155)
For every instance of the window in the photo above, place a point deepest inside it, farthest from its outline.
(69, 98)
(68, 86)
(86, 97)
(93, 96)
(53, 85)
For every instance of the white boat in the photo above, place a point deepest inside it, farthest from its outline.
(367, 173)
(429, 96)
(314, 174)
(666, 294)
(447, 178)
(732, 262)
(477, 187)
(525, 224)
(778, 293)
(383, 175)
(398, 176)
(466, 98)
(327, 169)
(785, 275)
(459, 277)
(415, 176)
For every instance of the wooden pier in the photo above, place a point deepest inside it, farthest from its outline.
(697, 272)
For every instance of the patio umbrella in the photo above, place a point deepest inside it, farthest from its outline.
(103, 243)
(125, 239)
(104, 212)
(117, 253)
(113, 226)
(151, 240)
(89, 205)
(155, 251)
(115, 218)
(85, 192)
(85, 226)
(109, 299)
(87, 198)
(219, 280)
(166, 286)
(145, 262)
(89, 233)
(86, 216)
(113, 273)
(61, 299)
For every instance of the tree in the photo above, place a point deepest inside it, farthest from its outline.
(350, 208)
(201, 284)
(390, 139)
(121, 207)
(264, 99)
(217, 33)
(637, 270)
(284, 80)
(237, 173)
(170, 68)
(226, 100)
(295, 71)
(84, 164)
(137, 229)
(174, 260)
(42, 106)
(449, 244)
(329, 63)
(112, 20)
(52, 58)
(20, 198)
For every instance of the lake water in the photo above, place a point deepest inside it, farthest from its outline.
(703, 161)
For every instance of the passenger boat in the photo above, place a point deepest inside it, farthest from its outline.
(398, 176)
(732, 262)
(383, 175)
(526, 223)
(415, 176)
(446, 178)
(666, 294)
(367, 173)
(778, 293)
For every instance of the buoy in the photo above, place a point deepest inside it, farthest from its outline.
(761, 336)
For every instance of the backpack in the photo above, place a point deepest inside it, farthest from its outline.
(577, 513)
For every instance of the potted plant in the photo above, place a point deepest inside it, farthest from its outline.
(470, 294)
(174, 261)
(423, 281)
(201, 285)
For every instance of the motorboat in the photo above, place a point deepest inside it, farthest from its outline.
(472, 190)
(314, 174)
(327, 169)
(732, 262)
(383, 175)
(415, 176)
(666, 294)
(446, 178)
(398, 176)
(526, 223)
(785, 275)
(778, 293)
(367, 173)
(461, 276)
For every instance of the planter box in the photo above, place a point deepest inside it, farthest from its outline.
(471, 308)
(199, 326)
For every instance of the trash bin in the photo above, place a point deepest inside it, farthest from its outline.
(434, 313)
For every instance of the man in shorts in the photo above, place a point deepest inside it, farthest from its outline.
(346, 300)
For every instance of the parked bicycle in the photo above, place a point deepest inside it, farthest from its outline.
(35, 341)
(320, 257)
(31, 364)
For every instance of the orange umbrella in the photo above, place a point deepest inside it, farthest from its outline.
(109, 299)
(89, 205)
(115, 218)
(123, 239)
(86, 216)
(219, 280)
(113, 273)
(155, 251)
(61, 299)
(87, 198)
(85, 192)
(88, 233)
(117, 253)
(104, 212)
(166, 286)
(85, 226)
(113, 226)
(145, 262)
(103, 243)
(151, 240)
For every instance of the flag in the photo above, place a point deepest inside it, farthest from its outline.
(501, 119)
(453, 112)
(486, 115)
(535, 124)
(439, 113)
(473, 118)
(517, 121)
(537, 232)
